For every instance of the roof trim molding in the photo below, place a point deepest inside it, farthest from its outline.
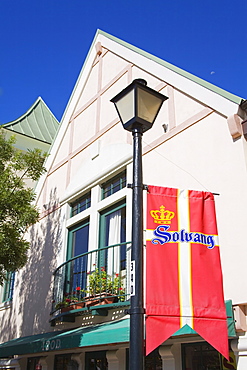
(180, 71)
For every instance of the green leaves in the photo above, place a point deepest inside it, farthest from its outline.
(17, 211)
(100, 282)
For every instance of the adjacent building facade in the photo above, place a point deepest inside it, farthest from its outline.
(36, 128)
(68, 309)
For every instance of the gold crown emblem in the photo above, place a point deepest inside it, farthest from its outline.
(162, 216)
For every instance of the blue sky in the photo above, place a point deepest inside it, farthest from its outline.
(44, 43)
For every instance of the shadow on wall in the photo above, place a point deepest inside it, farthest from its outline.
(34, 285)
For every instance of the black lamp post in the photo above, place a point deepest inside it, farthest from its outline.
(137, 106)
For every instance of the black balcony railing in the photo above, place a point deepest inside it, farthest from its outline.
(92, 277)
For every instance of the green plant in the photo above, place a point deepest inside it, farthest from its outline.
(100, 282)
(117, 287)
(67, 301)
(17, 209)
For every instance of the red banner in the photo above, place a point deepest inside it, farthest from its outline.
(183, 277)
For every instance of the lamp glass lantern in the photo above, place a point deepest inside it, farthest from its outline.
(138, 105)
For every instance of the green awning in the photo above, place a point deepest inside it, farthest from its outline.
(113, 332)
(108, 333)
(230, 323)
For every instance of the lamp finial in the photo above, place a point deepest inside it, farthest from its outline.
(141, 81)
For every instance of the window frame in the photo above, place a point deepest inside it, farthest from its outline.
(103, 255)
(8, 291)
(185, 346)
(67, 357)
(77, 207)
(122, 176)
(96, 355)
(106, 212)
(71, 230)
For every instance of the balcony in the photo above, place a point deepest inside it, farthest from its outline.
(93, 281)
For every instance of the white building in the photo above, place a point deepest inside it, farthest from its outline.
(197, 142)
(36, 128)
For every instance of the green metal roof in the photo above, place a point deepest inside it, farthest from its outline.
(38, 123)
(208, 85)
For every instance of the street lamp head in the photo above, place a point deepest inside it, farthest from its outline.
(138, 105)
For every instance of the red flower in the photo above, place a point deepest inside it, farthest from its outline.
(117, 275)
(102, 269)
(78, 288)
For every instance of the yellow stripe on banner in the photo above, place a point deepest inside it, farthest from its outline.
(184, 261)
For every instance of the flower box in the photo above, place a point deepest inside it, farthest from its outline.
(100, 299)
(74, 306)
